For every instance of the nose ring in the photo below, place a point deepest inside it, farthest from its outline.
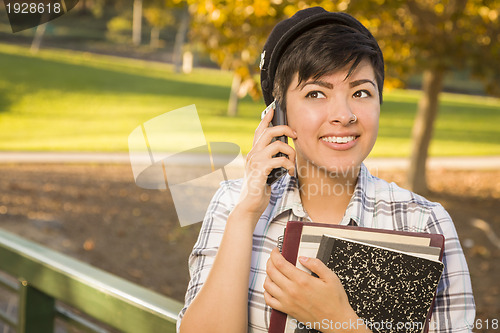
(355, 119)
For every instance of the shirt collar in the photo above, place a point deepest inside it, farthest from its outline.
(288, 198)
(357, 207)
(286, 192)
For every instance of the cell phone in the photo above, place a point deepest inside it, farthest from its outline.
(279, 118)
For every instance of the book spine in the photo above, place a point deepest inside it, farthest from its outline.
(437, 240)
(325, 249)
(280, 242)
(290, 249)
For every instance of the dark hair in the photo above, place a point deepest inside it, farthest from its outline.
(324, 50)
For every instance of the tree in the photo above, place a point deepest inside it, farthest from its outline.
(158, 16)
(37, 38)
(162, 13)
(434, 37)
(137, 22)
(180, 37)
(429, 37)
(233, 33)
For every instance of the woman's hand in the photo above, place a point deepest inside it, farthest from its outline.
(305, 297)
(255, 193)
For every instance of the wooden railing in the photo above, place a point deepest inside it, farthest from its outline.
(51, 285)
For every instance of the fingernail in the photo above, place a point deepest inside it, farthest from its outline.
(303, 259)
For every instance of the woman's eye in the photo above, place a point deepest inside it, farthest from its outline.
(315, 94)
(361, 94)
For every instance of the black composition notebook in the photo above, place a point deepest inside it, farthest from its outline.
(392, 291)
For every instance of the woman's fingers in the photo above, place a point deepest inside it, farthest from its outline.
(263, 150)
(264, 123)
(272, 288)
(278, 147)
(280, 270)
(260, 162)
(275, 285)
(263, 160)
(318, 267)
(267, 134)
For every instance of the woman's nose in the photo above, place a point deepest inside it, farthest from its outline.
(340, 113)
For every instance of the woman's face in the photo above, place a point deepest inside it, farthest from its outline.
(322, 113)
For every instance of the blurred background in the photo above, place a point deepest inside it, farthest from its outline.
(73, 89)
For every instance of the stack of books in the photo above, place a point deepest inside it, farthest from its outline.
(390, 277)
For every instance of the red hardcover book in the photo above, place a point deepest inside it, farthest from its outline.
(304, 238)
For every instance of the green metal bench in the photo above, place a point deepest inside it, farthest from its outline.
(48, 279)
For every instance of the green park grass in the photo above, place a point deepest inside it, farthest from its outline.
(73, 101)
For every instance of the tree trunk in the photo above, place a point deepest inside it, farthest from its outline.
(423, 127)
(83, 7)
(137, 23)
(37, 39)
(232, 108)
(180, 39)
(154, 42)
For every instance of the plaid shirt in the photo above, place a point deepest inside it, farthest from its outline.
(376, 204)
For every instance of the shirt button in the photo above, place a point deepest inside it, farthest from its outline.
(299, 210)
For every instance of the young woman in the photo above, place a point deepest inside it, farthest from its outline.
(326, 71)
